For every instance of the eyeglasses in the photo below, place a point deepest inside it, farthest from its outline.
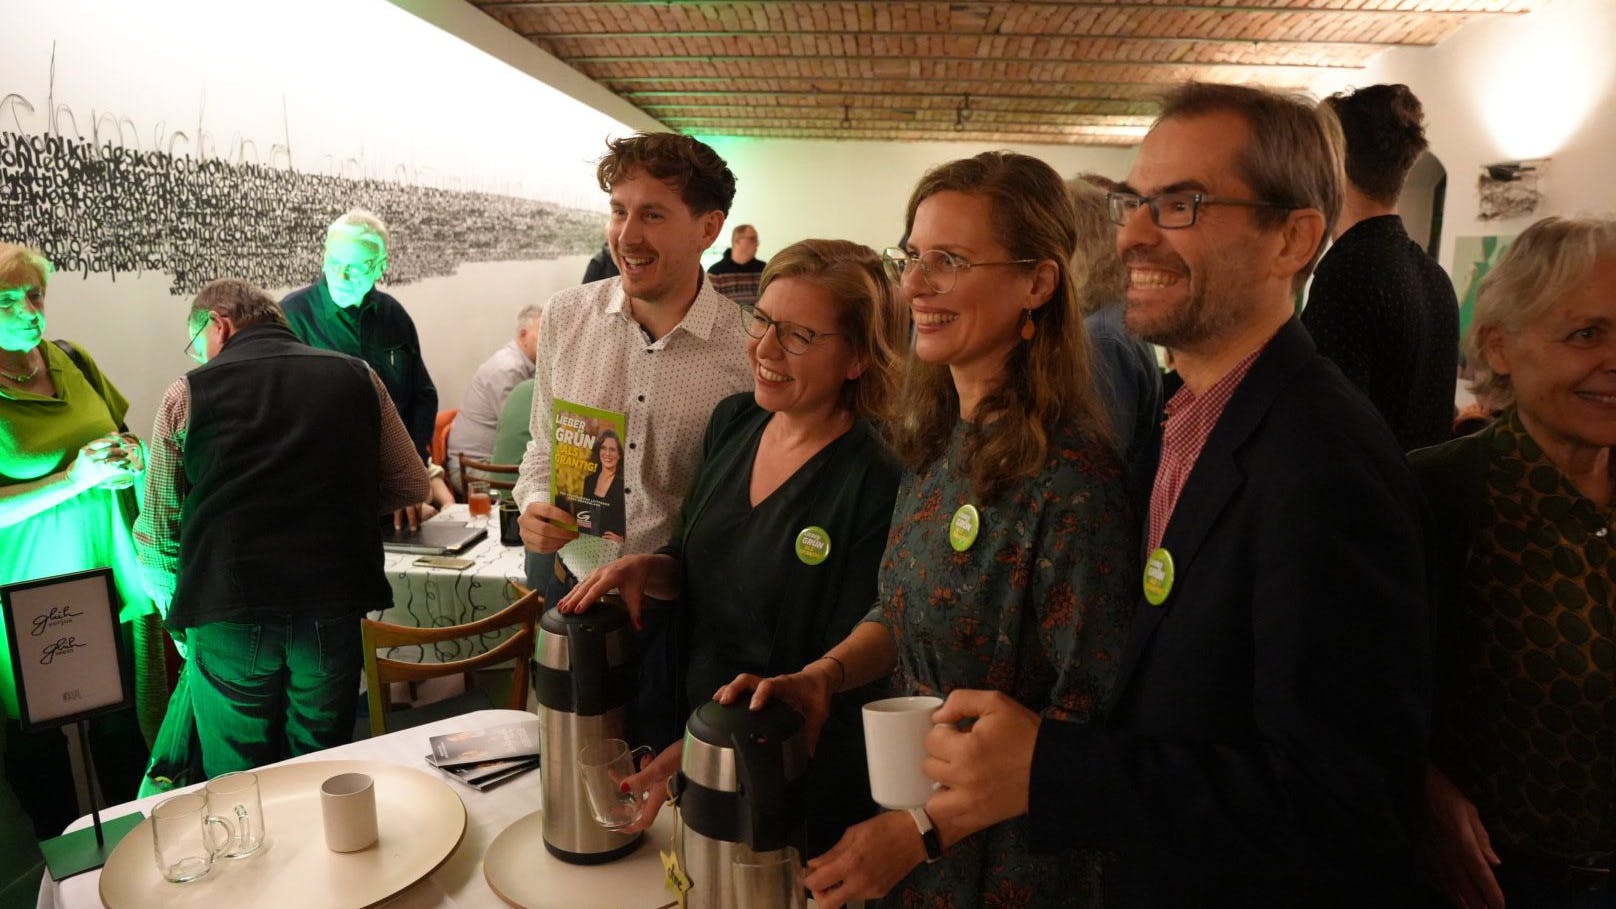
(1173, 211)
(348, 270)
(15, 298)
(796, 339)
(939, 268)
(190, 346)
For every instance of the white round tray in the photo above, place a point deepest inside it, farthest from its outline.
(420, 817)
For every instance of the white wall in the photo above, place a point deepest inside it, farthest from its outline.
(795, 189)
(1516, 87)
(352, 89)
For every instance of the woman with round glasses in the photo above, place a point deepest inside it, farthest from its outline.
(1013, 548)
(784, 525)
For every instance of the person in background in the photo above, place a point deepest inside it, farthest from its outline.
(477, 423)
(1380, 308)
(802, 450)
(1265, 743)
(513, 430)
(1523, 778)
(66, 505)
(1126, 374)
(738, 273)
(343, 311)
(601, 265)
(658, 345)
(260, 545)
(1013, 545)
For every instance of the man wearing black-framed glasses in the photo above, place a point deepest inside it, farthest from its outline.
(1266, 740)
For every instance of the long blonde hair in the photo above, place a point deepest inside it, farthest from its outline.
(1046, 381)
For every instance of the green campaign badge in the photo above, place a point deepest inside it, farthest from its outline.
(1158, 577)
(963, 528)
(813, 545)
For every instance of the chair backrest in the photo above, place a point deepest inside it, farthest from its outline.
(483, 470)
(440, 435)
(523, 615)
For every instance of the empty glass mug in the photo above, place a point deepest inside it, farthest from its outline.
(234, 796)
(768, 880)
(186, 839)
(604, 765)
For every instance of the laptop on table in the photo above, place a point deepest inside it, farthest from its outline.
(432, 537)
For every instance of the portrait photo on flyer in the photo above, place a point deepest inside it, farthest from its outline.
(586, 467)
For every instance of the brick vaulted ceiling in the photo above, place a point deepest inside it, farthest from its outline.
(1035, 71)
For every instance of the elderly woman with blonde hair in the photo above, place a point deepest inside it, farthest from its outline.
(66, 505)
(1523, 776)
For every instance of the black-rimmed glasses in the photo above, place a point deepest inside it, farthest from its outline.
(939, 268)
(1174, 211)
(794, 338)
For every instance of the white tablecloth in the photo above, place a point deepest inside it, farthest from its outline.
(459, 883)
(436, 597)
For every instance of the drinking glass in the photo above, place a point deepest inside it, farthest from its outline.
(183, 839)
(768, 880)
(604, 765)
(235, 796)
(478, 499)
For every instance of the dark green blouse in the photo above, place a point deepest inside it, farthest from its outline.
(1525, 642)
(753, 606)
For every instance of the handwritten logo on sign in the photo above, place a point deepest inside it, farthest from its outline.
(55, 617)
(61, 647)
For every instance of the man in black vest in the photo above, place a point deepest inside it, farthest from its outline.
(270, 465)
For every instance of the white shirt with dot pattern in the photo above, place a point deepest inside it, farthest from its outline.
(592, 352)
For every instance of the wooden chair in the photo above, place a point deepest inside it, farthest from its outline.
(486, 471)
(380, 672)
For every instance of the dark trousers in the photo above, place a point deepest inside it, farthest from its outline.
(274, 688)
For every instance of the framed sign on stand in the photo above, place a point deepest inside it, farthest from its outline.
(63, 636)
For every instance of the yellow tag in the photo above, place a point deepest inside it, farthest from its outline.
(674, 876)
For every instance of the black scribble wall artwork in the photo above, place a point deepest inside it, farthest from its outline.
(94, 206)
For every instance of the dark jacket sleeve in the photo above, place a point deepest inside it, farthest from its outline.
(1322, 786)
(423, 415)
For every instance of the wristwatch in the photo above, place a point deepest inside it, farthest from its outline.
(928, 834)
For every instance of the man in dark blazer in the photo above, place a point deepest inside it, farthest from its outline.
(1267, 734)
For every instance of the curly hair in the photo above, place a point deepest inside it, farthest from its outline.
(1384, 128)
(691, 167)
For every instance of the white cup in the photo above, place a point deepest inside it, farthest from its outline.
(895, 746)
(348, 805)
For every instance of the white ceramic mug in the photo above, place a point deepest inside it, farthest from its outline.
(895, 746)
(348, 805)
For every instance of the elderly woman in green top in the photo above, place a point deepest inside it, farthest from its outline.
(65, 499)
(1523, 775)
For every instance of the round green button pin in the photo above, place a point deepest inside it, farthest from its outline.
(813, 545)
(1158, 577)
(963, 528)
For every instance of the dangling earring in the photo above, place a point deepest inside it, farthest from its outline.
(1028, 329)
